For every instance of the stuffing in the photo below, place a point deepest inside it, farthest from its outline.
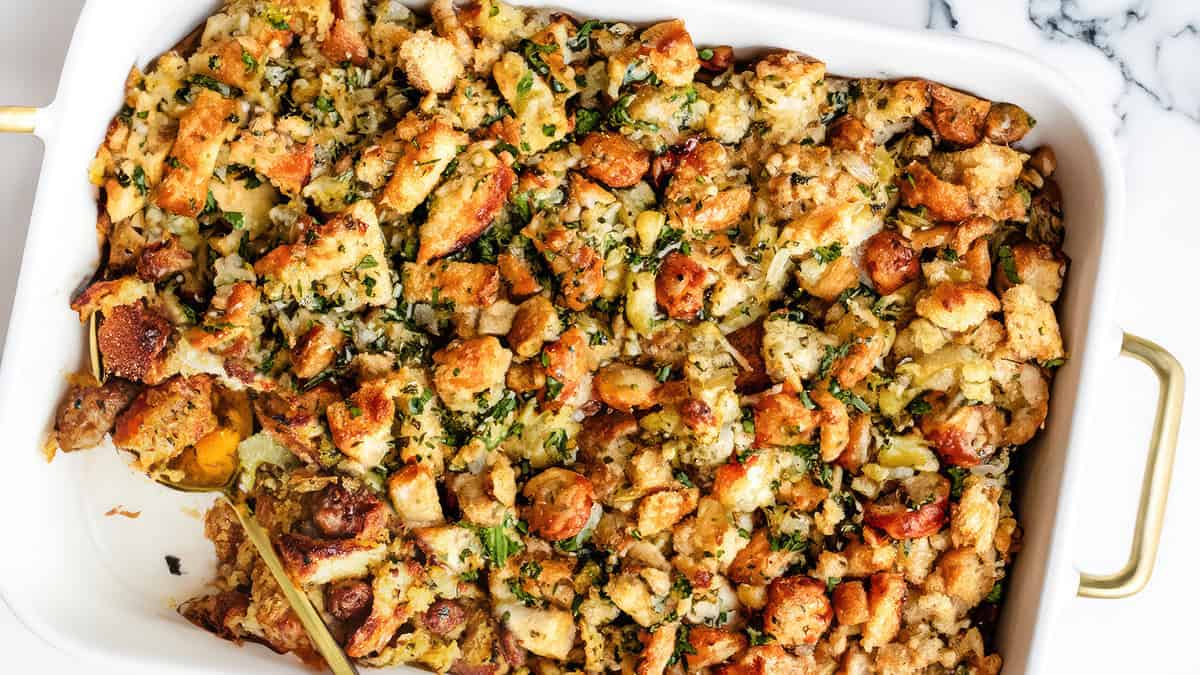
(957, 306)
(679, 286)
(1036, 265)
(430, 62)
(798, 612)
(613, 159)
(425, 151)
(535, 322)
(890, 261)
(274, 153)
(560, 503)
(132, 339)
(575, 343)
(319, 561)
(203, 129)
(163, 259)
(165, 419)
(1031, 325)
(343, 257)
(783, 419)
(916, 509)
(956, 117)
(889, 108)
(712, 646)
(702, 195)
(546, 632)
(467, 368)
(976, 516)
(389, 594)
(623, 387)
(453, 547)
(850, 603)
(414, 495)
(789, 88)
(660, 511)
(988, 173)
(456, 284)
(316, 350)
(465, 204)
(541, 117)
(792, 351)
(966, 577)
(362, 425)
(761, 561)
(884, 604)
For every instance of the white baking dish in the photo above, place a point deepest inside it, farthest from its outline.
(98, 587)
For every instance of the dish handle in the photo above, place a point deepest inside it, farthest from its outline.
(16, 119)
(1147, 529)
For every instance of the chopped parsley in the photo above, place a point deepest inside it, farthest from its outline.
(1005, 256)
(827, 254)
(498, 547)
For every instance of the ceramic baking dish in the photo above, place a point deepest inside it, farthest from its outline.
(98, 587)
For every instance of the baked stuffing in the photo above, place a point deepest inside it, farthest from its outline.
(544, 345)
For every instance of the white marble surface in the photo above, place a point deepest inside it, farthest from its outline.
(1139, 61)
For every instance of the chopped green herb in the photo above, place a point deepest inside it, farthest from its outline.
(832, 354)
(139, 180)
(1005, 255)
(524, 84)
(827, 254)
(957, 476)
(919, 406)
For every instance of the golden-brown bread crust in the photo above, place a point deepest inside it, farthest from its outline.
(316, 350)
(460, 283)
(294, 419)
(798, 612)
(166, 418)
(613, 159)
(162, 259)
(131, 339)
(202, 131)
(956, 117)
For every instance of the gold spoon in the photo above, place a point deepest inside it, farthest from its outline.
(317, 631)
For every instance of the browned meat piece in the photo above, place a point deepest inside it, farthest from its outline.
(89, 411)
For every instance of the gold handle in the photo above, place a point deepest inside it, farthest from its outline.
(317, 631)
(15, 119)
(1147, 529)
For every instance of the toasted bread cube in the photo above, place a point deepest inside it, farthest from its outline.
(463, 207)
(362, 425)
(165, 419)
(422, 160)
(414, 495)
(203, 129)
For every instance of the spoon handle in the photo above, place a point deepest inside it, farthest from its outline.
(338, 662)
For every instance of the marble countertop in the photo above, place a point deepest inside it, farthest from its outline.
(1139, 62)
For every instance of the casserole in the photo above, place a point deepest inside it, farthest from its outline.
(1087, 170)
